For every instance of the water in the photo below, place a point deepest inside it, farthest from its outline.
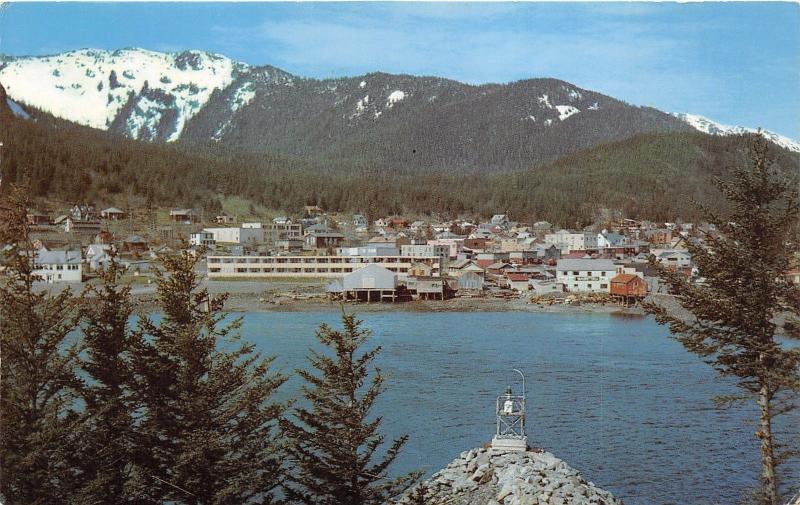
(614, 397)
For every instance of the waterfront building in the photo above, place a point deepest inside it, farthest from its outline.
(308, 266)
(585, 275)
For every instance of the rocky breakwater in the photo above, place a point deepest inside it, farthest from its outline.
(486, 477)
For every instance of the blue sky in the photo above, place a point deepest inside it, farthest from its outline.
(737, 63)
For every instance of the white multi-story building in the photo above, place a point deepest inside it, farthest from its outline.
(608, 239)
(58, 266)
(308, 266)
(202, 239)
(368, 250)
(585, 275)
(568, 241)
(425, 250)
(237, 236)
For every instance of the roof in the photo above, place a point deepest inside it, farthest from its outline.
(498, 265)
(182, 212)
(625, 278)
(585, 264)
(517, 277)
(45, 257)
(111, 210)
(135, 239)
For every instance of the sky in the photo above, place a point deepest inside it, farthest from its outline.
(734, 62)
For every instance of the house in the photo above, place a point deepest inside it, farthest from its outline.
(426, 287)
(608, 239)
(202, 239)
(98, 255)
(628, 287)
(659, 236)
(224, 219)
(83, 212)
(328, 240)
(419, 269)
(58, 266)
(547, 252)
(585, 275)
(360, 222)
(134, 244)
(237, 236)
(500, 220)
(289, 244)
(281, 220)
(112, 214)
(470, 281)
(373, 283)
(673, 258)
(390, 240)
(460, 267)
(518, 281)
(425, 250)
(312, 211)
(84, 227)
(498, 268)
(183, 216)
(475, 244)
(568, 241)
(546, 286)
(418, 226)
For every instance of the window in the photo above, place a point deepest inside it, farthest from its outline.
(603, 274)
(588, 286)
(589, 274)
(603, 286)
(576, 273)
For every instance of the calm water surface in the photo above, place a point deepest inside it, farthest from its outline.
(612, 396)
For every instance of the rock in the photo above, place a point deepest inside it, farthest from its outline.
(484, 477)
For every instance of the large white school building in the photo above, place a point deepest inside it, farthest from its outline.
(309, 266)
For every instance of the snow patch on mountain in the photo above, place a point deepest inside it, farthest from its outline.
(395, 97)
(565, 111)
(711, 127)
(545, 100)
(91, 87)
(243, 96)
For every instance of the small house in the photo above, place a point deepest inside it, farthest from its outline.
(628, 288)
(134, 244)
(470, 281)
(183, 216)
(112, 214)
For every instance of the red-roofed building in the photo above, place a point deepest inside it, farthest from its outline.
(518, 281)
(628, 288)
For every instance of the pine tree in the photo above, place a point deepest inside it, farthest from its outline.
(39, 382)
(731, 321)
(334, 442)
(208, 429)
(106, 430)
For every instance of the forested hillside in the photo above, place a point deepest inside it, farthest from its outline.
(647, 176)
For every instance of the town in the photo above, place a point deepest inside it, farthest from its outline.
(390, 259)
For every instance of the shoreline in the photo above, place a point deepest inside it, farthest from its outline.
(310, 297)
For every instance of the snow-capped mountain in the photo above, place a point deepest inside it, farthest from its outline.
(711, 127)
(151, 94)
(402, 120)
